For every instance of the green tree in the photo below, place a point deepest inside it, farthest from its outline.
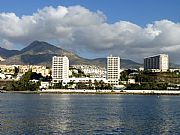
(90, 86)
(81, 85)
(24, 83)
(58, 85)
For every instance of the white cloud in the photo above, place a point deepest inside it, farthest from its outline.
(5, 44)
(80, 29)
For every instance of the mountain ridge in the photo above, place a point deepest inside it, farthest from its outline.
(41, 53)
(5, 53)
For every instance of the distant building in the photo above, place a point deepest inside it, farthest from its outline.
(44, 85)
(157, 63)
(43, 70)
(141, 69)
(113, 70)
(7, 69)
(60, 68)
(2, 76)
(91, 70)
(131, 81)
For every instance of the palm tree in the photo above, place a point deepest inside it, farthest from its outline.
(101, 83)
(90, 84)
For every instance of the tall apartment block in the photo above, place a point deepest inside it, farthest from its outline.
(113, 70)
(60, 68)
(157, 63)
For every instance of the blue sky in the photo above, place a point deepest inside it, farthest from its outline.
(131, 29)
(139, 12)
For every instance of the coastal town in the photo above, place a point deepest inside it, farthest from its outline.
(89, 67)
(63, 77)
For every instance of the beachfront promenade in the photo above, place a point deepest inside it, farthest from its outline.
(111, 91)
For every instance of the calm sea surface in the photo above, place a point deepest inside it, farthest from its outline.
(89, 114)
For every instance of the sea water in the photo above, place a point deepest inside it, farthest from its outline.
(89, 114)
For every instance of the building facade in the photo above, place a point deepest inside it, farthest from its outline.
(159, 63)
(113, 70)
(60, 68)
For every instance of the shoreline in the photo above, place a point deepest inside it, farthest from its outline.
(91, 92)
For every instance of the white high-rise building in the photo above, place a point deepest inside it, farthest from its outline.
(60, 68)
(157, 63)
(113, 70)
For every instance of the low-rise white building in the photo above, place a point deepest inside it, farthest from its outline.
(174, 70)
(44, 85)
(131, 81)
(2, 76)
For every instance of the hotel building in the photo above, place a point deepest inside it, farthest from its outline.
(113, 70)
(157, 63)
(60, 68)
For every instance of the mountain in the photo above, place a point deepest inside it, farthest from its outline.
(41, 53)
(124, 63)
(172, 65)
(38, 47)
(4, 53)
(38, 53)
